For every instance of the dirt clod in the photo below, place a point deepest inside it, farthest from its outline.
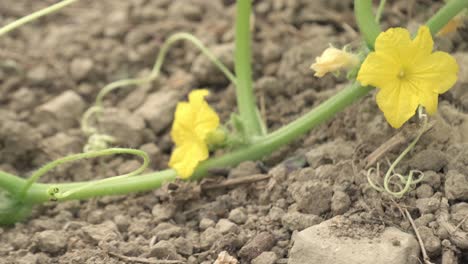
(51, 241)
(260, 243)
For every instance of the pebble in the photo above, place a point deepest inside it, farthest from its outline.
(260, 243)
(80, 68)
(162, 212)
(205, 223)
(429, 159)
(456, 186)
(183, 246)
(164, 231)
(164, 250)
(312, 197)
(106, 231)
(238, 215)
(124, 126)
(427, 205)
(299, 221)
(340, 203)
(431, 242)
(424, 191)
(158, 108)
(51, 241)
(267, 257)
(63, 111)
(209, 237)
(225, 226)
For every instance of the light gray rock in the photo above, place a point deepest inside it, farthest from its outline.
(299, 221)
(63, 111)
(158, 109)
(225, 226)
(267, 257)
(106, 231)
(125, 127)
(238, 216)
(456, 186)
(319, 244)
(51, 241)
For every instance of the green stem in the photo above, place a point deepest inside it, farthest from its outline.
(107, 152)
(366, 21)
(48, 10)
(243, 56)
(445, 14)
(380, 10)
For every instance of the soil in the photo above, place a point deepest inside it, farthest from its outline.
(51, 71)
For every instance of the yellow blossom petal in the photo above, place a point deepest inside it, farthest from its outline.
(193, 121)
(394, 43)
(184, 159)
(439, 70)
(378, 70)
(422, 44)
(398, 103)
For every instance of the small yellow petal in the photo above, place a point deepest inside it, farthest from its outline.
(185, 158)
(439, 70)
(398, 103)
(422, 44)
(394, 43)
(378, 70)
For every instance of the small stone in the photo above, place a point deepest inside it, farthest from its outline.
(320, 244)
(158, 108)
(275, 213)
(238, 216)
(429, 159)
(267, 257)
(206, 72)
(225, 258)
(63, 111)
(427, 205)
(312, 197)
(298, 221)
(260, 243)
(330, 152)
(424, 220)
(340, 203)
(106, 231)
(225, 226)
(205, 223)
(165, 231)
(80, 68)
(431, 178)
(209, 237)
(424, 191)
(122, 222)
(124, 126)
(246, 168)
(163, 212)
(51, 241)
(456, 186)
(164, 250)
(431, 242)
(183, 246)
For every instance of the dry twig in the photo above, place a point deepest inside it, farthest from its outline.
(234, 182)
(144, 260)
(426, 258)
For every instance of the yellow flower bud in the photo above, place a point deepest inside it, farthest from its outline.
(333, 59)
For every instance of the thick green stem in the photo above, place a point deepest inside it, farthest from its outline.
(366, 21)
(445, 14)
(243, 56)
(48, 10)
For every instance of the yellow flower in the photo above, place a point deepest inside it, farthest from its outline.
(333, 59)
(194, 120)
(407, 73)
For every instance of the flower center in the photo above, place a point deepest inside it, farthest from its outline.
(402, 73)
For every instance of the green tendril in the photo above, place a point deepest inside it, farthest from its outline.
(408, 180)
(54, 191)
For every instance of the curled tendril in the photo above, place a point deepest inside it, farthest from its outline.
(100, 141)
(56, 194)
(402, 183)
